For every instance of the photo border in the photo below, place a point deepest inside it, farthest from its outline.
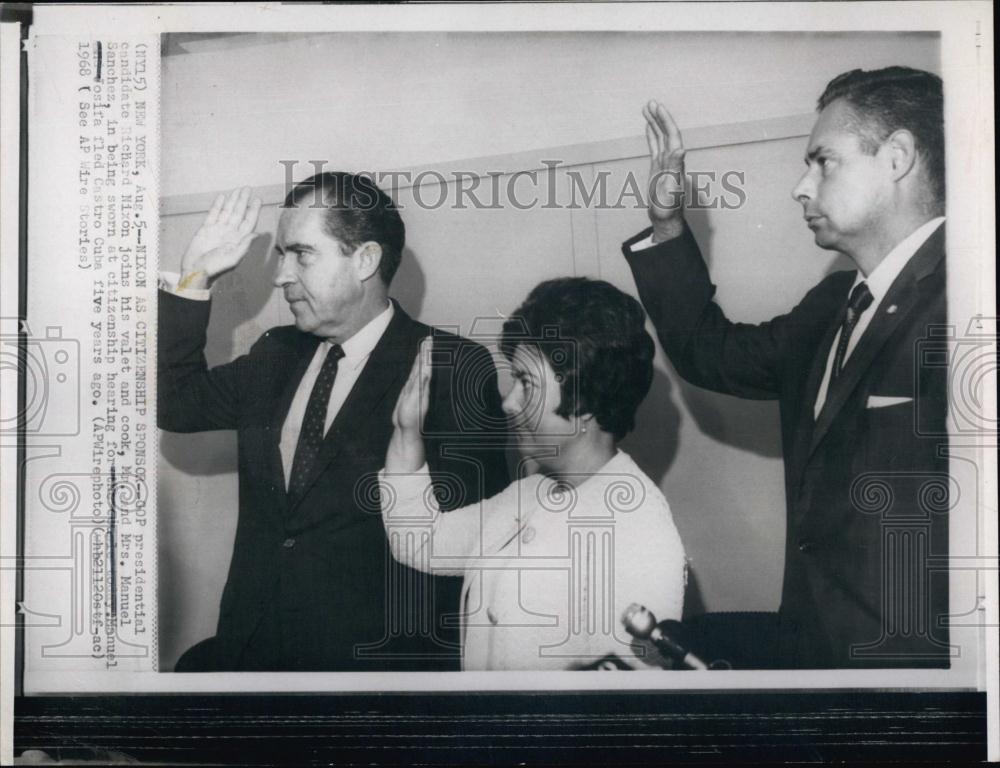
(917, 707)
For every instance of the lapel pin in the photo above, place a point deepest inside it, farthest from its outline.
(892, 309)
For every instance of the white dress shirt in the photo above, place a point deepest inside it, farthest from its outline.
(879, 282)
(357, 350)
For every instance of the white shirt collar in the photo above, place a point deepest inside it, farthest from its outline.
(360, 345)
(885, 274)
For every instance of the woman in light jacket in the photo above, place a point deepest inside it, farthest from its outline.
(551, 563)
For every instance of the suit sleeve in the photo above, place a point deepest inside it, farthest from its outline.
(704, 346)
(190, 396)
(465, 426)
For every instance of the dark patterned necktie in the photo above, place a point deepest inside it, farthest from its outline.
(861, 298)
(311, 435)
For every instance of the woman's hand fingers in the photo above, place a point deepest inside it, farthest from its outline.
(414, 398)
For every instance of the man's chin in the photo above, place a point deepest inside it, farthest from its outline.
(824, 240)
(300, 320)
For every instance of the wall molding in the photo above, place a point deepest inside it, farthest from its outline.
(571, 155)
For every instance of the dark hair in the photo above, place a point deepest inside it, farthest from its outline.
(886, 100)
(594, 337)
(357, 211)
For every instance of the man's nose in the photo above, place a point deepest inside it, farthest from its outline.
(805, 190)
(284, 275)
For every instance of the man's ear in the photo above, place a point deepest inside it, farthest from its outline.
(367, 259)
(902, 153)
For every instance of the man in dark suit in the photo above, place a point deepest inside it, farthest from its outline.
(312, 584)
(856, 368)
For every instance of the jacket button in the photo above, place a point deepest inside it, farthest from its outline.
(491, 616)
(288, 543)
(806, 545)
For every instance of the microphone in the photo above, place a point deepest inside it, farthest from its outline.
(641, 624)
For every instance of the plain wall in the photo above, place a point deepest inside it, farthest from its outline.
(233, 107)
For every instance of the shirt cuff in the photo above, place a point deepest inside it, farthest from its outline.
(168, 282)
(646, 242)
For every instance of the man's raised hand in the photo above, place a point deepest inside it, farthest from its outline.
(666, 172)
(222, 240)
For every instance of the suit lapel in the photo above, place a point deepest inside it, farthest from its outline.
(904, 296)
(806, 420)
(388, 363)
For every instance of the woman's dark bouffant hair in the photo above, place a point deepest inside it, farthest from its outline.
(594, 337)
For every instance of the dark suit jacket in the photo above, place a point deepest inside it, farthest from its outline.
(866, 487)
(312, 584)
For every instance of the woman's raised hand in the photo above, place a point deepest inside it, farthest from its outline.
(411, 407)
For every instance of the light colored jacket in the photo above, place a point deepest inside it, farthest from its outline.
(549, 569)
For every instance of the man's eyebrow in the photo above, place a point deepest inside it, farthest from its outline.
(812, 154)
(299, 247)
